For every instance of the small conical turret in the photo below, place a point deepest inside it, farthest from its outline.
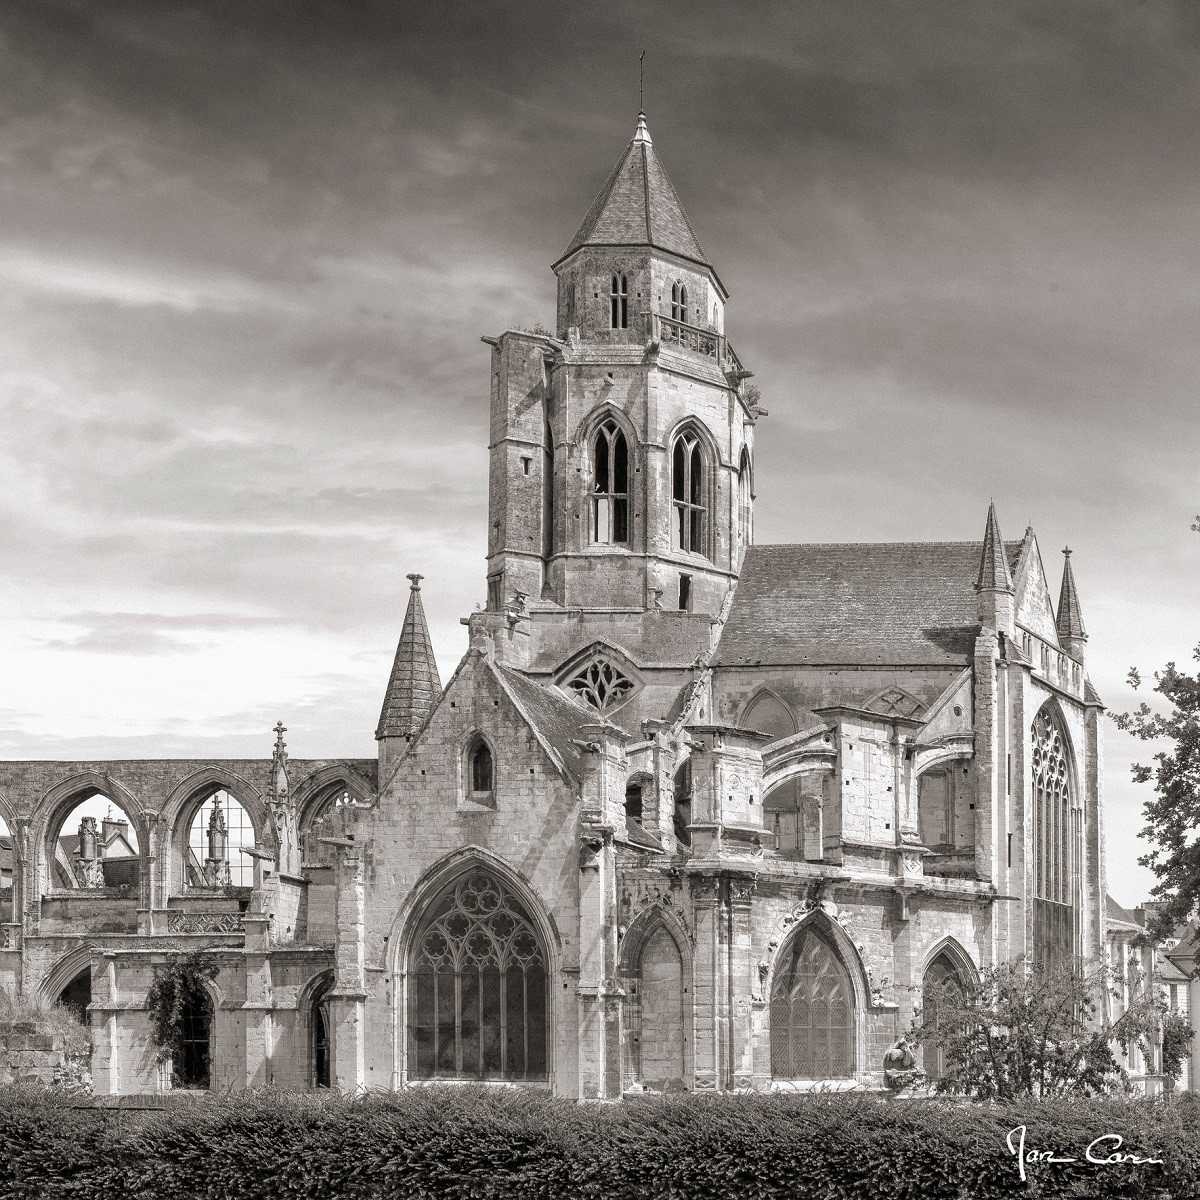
(994, 582)
(1071, 631)
(414, 685)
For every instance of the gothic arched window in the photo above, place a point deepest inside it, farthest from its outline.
(610, 486)
(478, 992)
(481, 772)
(942, 986)
(812, 1011)
(600, 683)
(688, 494)
(745, 505)
(1057, 842)
(618, 299)
(679, 301)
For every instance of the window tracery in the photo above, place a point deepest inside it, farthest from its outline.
(600, 683)
(1058, 840)
(812, 1012)
(478, 1003)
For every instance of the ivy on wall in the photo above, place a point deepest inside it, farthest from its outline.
(177, 987)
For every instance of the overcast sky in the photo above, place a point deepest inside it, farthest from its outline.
(247, 251)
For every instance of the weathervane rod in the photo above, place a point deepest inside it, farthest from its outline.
(642, 82)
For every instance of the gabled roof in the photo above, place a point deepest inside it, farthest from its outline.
(414, 684)
(1117, 914)
(556, 720)
(855, 604)
(638, 206)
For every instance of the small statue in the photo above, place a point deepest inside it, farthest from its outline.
(900, 1070)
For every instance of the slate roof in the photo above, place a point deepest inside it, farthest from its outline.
(414, 684)
(1116, 912)
(638, 206)
(993, 564)
(555, 718)
(855, 604)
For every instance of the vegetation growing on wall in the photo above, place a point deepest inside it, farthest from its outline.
(177, 986)
(33, 1015)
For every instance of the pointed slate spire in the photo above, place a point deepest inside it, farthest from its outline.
(638, 206)
(994, 574)
(1071, 631)
(414, 685)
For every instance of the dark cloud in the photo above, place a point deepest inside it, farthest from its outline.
(247, 251)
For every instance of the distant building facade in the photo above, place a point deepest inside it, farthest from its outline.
(692, 813)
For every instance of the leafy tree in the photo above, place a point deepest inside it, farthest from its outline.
(1177, 1037)
(1029, 1031)
(1172, 814)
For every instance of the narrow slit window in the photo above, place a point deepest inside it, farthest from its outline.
(619, 302)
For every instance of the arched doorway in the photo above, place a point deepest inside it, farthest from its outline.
(942, 985)
(319, 1042)
(812, 1010)
(477, 995)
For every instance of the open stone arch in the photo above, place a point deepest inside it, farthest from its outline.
(529, 980)
(946, 971)
(65, 969)
(187, 798)
(931, 758)
(817, 965)
(315, 795)
(954, 951)
(55, 806)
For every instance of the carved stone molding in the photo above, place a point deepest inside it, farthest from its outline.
(189, 922)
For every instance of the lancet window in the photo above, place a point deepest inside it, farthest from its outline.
(610, 486)
(688, 493)
(478, 992)
(679, 302)
(618, 302)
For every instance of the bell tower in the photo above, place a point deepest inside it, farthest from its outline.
(623, 443)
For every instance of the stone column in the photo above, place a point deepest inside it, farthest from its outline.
(743, 980)
(347, 999)
(706, 910)
(598, 998)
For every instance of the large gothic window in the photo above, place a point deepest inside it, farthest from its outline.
(812, 1011)
(618, 301)
(610, 486)
(1057, 842)
(478, 990)
(688, 494)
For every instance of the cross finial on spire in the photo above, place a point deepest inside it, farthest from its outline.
(1066, 552)
(415, 581)
(642, 82)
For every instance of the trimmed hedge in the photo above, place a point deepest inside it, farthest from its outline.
(477, 1142)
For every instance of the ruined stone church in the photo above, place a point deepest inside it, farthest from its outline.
(691, 813)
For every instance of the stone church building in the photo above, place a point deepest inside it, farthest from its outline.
(691, 813)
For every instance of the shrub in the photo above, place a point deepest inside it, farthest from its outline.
(477, 1142)
(39, 1016)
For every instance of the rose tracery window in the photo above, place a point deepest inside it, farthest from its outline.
(812, 1012)
(478, 995)
(1057, 840)
(601, 684)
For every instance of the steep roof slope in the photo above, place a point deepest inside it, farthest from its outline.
(414, 684)
(855, 604)
(638, 206)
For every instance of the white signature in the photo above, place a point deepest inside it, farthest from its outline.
(1095, 1152)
